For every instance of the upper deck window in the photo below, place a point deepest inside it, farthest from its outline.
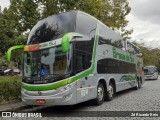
(86, 25)
(108, 36)
(52, 27)
(133, 49)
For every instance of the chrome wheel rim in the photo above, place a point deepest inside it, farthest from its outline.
(111, 91)
(100, 93)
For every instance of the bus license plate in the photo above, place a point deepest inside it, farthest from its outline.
(40, 101)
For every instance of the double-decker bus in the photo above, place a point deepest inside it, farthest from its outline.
(72, 57)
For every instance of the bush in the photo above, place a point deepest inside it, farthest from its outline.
(10, 88)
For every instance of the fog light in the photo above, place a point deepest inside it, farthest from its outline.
(67, 87)
(68, 96)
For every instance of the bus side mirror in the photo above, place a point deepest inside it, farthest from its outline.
(8, 56)
(65, 43)
(67, 38)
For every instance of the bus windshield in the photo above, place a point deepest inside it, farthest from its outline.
(149, 70)
(47, 65)
(52, 28)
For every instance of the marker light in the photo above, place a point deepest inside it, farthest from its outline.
(34, 47)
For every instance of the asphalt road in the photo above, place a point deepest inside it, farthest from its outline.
(145, 99)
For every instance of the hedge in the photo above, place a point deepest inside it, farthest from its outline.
(10, 88)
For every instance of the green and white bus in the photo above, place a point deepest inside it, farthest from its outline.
(72, 57)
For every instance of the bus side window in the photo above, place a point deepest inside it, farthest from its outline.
(123, 45)
(130, 48)
(80, 63)
(28, 58)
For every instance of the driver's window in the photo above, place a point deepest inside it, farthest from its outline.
(80, 63)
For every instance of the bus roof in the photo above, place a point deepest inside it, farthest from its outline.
(56, 26)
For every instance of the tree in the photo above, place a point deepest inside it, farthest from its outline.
(110, 12)
(24, 14)
(150, 56)
(6, 31)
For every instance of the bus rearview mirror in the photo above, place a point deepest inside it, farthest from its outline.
(8, 55)
(67, 38)
(65, 43)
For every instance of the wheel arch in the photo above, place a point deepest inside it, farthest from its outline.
(103, 81)
(112, 80)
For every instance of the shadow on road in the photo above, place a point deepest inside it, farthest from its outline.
(151, 79)
(68, 110)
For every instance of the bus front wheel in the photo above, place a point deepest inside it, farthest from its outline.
(100, 95)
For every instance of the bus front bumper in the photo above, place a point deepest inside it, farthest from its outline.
(151, 77)
(52, 97)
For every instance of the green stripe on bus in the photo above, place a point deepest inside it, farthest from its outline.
(10, 50)
(44, 87)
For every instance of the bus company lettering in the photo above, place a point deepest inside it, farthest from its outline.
(48, 44)
(122, 56)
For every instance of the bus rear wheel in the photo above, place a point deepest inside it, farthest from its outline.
(110, 93)
(100, 95)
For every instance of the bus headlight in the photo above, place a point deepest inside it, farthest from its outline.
(68, 96)
(67, 87)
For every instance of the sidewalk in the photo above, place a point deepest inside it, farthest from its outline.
(13, 106)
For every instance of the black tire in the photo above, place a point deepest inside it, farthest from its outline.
(110, 93)
(100, 95)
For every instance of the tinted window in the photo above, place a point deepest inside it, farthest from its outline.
(80, 61)
(150, 70)
(132, 49)
(86, 25)
(108, 36)
(110, 65)
(137, 50)
(52, 28)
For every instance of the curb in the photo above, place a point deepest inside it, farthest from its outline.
(17, 108)
(23, 107)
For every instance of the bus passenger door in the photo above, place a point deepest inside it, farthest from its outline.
(84, 81)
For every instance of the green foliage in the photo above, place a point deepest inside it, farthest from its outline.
(150, 56)
(22, 15)
(10, 88)
(6, 33)
(110, 12)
